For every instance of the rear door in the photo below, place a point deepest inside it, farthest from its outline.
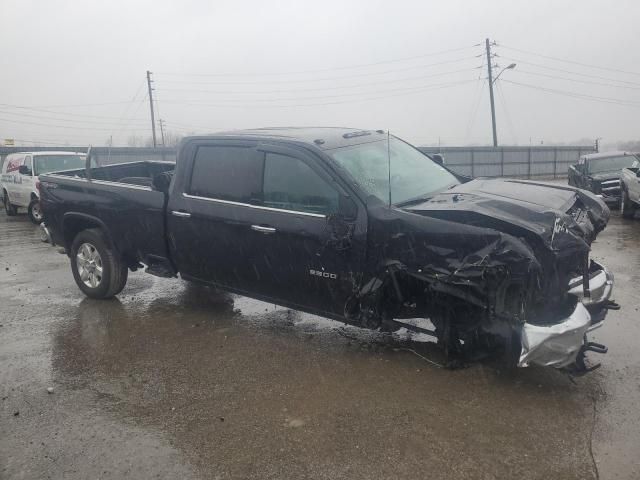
(207, 221)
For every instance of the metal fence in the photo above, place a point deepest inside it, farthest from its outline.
(523, 162)
(527, 162)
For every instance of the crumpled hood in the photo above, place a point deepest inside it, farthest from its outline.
(566, 219)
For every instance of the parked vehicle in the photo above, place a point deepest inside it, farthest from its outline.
(630, 186)
(19, 182)
(600, 173)
(357, 226)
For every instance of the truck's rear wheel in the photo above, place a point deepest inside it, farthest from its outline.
(627, 207)
(35, 212)
(96, 268)
(9, 208)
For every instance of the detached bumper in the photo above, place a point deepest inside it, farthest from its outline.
(560, 344)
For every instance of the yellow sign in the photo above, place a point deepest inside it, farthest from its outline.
(8, 142)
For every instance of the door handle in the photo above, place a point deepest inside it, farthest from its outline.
(261, 229)
(180, 214)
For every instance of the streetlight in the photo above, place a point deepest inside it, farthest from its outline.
(509, 67)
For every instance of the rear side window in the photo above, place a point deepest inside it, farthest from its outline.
(291, 184)
(227, 173)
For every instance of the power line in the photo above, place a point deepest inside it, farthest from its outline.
(322, 97)
(564, 60)
(135, 112)
(415, 90)
(74, 115)
(348, 67)
(576, 80)
(524, 62)
(506, 112)
(5, 112)
(474, 110)
(359, 85)
(9, 120)
(79, 105)
(153, 122)
(577, 95)
(322, 79)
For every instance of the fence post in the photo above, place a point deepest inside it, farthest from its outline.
(502, 161)
(529, 165)
(555, 162)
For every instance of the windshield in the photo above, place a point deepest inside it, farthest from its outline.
(413, 174)
(611, 164)
(56, 163)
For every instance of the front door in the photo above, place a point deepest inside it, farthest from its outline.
(302, 254)
(26, 182)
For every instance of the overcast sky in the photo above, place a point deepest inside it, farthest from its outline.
(412, 67)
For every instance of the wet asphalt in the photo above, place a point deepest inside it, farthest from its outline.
(173, 380)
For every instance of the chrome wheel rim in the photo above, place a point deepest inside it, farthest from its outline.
(89, 265)
(36, 212)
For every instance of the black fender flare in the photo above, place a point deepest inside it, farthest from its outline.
(88, 218)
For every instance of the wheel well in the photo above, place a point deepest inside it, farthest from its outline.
(74, 225)
(33, 196)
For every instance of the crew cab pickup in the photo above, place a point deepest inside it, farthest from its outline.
(630, 186)
(600, 173)
(354, 225)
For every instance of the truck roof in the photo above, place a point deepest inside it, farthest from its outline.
(325, 138)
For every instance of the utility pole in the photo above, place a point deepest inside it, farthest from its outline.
(160, 121)
(153, 121)
(493, 107)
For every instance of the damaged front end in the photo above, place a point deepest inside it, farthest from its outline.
(564, 344)
(491, 273)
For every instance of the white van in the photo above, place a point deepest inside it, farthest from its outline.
(19, 182)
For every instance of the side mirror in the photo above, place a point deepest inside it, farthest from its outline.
(347, 208)
(24, 170)
(439, 159)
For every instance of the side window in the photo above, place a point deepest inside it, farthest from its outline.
(291, 184)
(227, 173)
(28, 163)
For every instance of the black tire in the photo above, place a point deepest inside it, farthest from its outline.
(35, 212)
(103, 284)
(9, 208)
(627, 207)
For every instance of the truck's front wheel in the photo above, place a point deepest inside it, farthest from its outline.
(627, 207)
(96, 268)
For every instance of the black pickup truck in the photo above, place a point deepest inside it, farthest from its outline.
(354, 225)
(600, 173)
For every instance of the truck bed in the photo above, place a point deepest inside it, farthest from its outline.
(120, 198)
